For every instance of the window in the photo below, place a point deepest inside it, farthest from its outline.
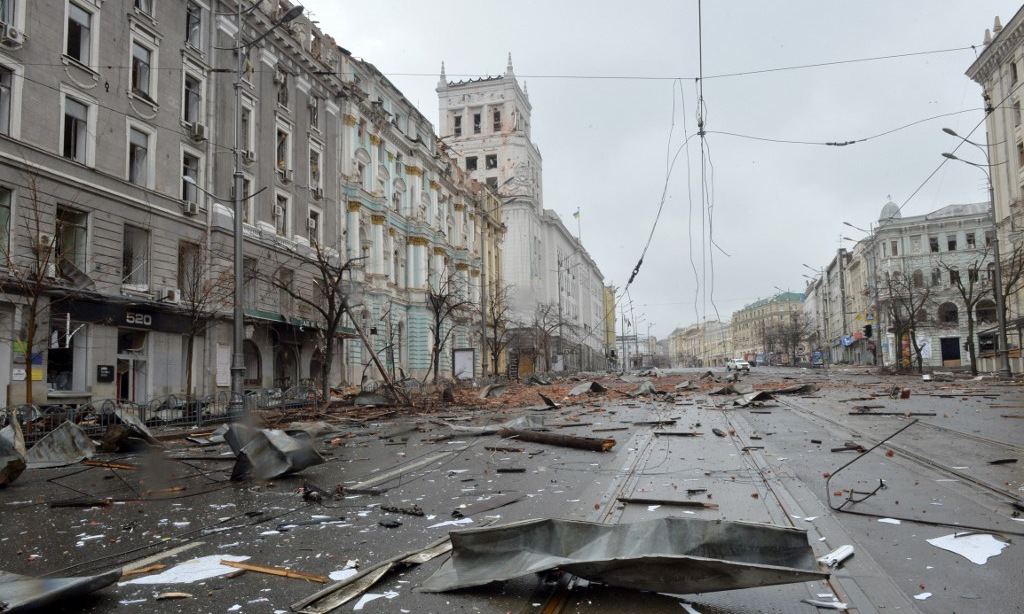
(5, 224)
(6, 94)
(1020, 154)
(990, 273)
(951, 243)
(314, 169)
(948, 313)
(66, 354)
(989, 237)
(492, 182)
(281, 215)
(138, 157)
(247, 127)
(314, 112)
(491, 161)
(282, 88)
(954, 276)
(191, 108)
(936, 277)
(918, 279)
(1016, 112)
(497, 120)
(283, 150)
(470, 163)
(970, 240)
(1013, 72)
(190, 272)
(78, 45)
(986, 311)
(193, 24)
(458, 125)
(248, 211)
(933, 244)
(189, 178)
(894, 248)
(76, 130)
(314, 225)
(476, 123)
(142, 58)
(135, 259)
(7, 14)
(972, 274)
(144, 6)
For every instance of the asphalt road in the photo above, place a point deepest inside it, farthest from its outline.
(768, 468)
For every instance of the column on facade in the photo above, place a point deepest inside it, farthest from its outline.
(410, 263)
(392, 260)
(348, 146)
(352, 229)
(437, 268)
(378, 245)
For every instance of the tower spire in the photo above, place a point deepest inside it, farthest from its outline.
(508, 68)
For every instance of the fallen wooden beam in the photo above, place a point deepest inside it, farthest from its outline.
(678, 433)
(891, 413)
(109, 465)
(276, 571)
(672, 502)
(567, 441)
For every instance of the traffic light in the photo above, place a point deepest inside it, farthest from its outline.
(867, 331)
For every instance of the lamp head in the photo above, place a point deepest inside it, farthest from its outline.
(951, 132)
(291, 13)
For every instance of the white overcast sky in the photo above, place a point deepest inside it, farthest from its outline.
(601, 78)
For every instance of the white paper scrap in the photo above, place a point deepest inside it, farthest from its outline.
(341, 574)
(451, 523)
(889, 520)
(651, 508)
(194, 570)
(922, 596)
(368, 597)
(976, 548)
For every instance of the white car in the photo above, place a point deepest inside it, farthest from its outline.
(737, 364)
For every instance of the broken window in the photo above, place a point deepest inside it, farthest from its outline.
(135, 259)
(986, 311)
(470, 163)
(933, 244)
(894, 248)
(951, 243)
(970, 240)
(193, 24)
(66, 354)
(476, 123)
(190, 271)
(492, 182)
(936, 277)
(972, 274)
(954, 276)
(458, 125)
(497, 120)
(71, 238)
(491, 161)
(918, 279)
(948, 313)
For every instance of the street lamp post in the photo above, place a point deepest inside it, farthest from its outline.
(238, 336)
(1003, 351)
(824, 340)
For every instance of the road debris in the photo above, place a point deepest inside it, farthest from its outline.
(669, 555)
(275, 571)
(828, 605)
(269, 453)
(486, 505)
(669, 502)
(491, 391)
(587, 387)
(977, 548)
(549, 402)
(192, 570)
(837, 556)
(11, 462)
(568, 441)
(20, 593)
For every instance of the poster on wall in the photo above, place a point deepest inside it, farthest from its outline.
(223, 364)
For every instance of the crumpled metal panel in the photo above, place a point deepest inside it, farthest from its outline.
(667, 555)
(271, 453)
(25, 593)
(65, 445)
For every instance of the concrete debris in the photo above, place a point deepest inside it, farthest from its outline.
(668, 555)
(535, 380)
(653, 372)
(585, 387)
(645, 387)
(492, 391)
(20, 593)
(66, 445)
(268, 453)
(686, 385)
(942, 376)
(752, 398)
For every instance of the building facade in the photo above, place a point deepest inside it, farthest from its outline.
(116, 178)
(755, 327)
(998, 70)
(557, 290)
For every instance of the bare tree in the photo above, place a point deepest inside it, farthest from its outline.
(325, 296)
(905, 301)
(204, 292)
(789, 334)
(448, 303)
(500, 323)
(549, 325)
(37, 279)
(972, 291)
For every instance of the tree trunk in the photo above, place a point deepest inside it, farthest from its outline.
(189, 353)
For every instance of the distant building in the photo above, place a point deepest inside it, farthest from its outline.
(558, 291)
(753, 327)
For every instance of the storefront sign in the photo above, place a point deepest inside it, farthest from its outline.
(104, 373)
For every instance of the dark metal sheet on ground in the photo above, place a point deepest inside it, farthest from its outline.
(20, 593)
(270, 453)
(734, 388)
(670, 555)
(585, 387)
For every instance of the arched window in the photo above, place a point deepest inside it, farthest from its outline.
(949, 314)
(921, 316)
(985, 312)
(918, 278)
(253, 364)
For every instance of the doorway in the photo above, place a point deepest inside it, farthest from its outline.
(132, 380)
(950, 351)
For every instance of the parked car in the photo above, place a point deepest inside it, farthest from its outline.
(737, 364)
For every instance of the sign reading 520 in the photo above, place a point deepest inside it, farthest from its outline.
(138, 319)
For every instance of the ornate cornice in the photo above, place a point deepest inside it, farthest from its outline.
(439, 251)
(375, 140)
(377, 220)
(350, 120)
(413, 170)
(417, 241)
(354, 205)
